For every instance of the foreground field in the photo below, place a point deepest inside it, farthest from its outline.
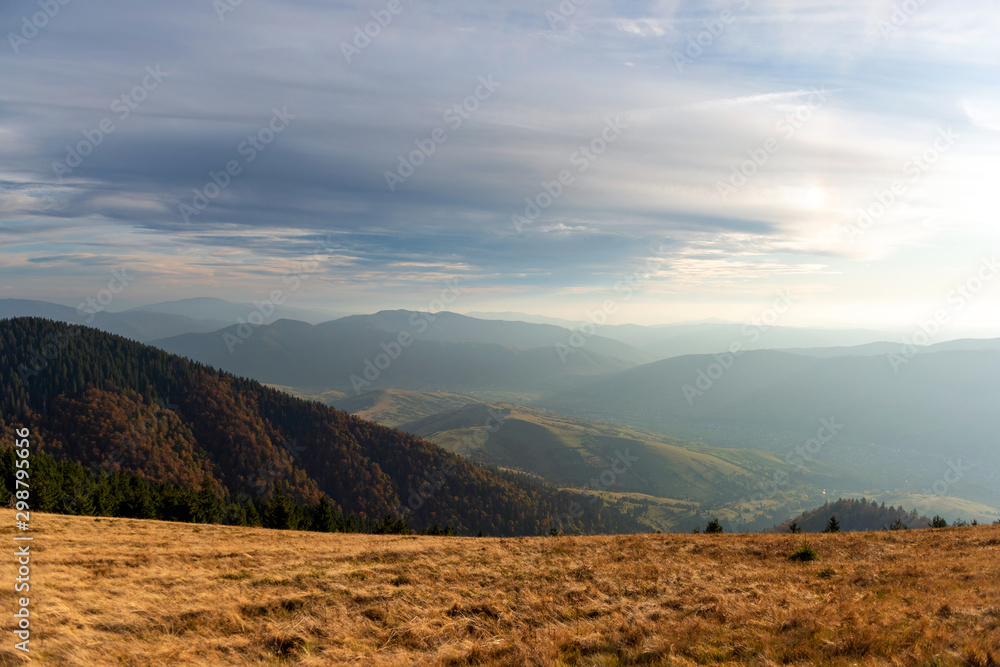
(124, 592)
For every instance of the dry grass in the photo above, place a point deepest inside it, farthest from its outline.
(124, 592)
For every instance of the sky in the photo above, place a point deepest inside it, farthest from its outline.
(662, 161)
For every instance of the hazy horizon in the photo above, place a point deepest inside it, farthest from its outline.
(616, 319)
(716, 153)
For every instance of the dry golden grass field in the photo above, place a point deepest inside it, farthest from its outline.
(125, 592)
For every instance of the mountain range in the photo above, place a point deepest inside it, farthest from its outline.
(158, 320)
(405, 350)
(876, 417)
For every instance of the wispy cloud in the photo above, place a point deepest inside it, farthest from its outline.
(889, 93)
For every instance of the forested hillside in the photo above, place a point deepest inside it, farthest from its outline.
(855, 515)
(118, 406)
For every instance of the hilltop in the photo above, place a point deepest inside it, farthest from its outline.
(212, 595)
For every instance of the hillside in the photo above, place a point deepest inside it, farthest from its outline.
(675, 483)
(395, 407)
(211, 595)
(574, 450)
(112, 404)
(158, 320)
(855, 515)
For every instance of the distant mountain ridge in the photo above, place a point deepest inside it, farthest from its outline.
(153, 321)
(908, 426)
(229, 312)
(404, 350)
(138, 325)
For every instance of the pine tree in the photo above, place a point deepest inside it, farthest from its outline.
(832, 526)
(253, 516)
(105, 500)
(82, 502)
(713, 526)
(278, 511)
(323, 519)
(47, 481)
(207, 507)
(145, 506)
(794, 527)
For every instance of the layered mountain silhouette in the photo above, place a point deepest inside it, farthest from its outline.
(907, 420)
(157, 320)
(406, 350)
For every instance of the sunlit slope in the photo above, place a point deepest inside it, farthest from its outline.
(177, 594)
(576, 451)
(394, 407)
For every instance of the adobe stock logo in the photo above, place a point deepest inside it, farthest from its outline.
(122, 107)
(826, 433)
(38, 21)
(582, 158)
(707, 377)
(393, 350)
(248, 149)
(455, 116)
(713, 30)
(363, 36)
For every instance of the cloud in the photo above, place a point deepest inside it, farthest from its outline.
(641, 27)
(985, 114)
(355, 121)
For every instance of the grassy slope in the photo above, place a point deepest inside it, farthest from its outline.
(113, 592)
(565, 449)
(950, 508)
(325, 397)
(394, 407)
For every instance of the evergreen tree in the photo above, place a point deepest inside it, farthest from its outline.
(145, 506)
(46, 479)
(393, 526)
(207, 506)
(832, 526)
(105, 502)
(81, 501)
(253, 516)
(323, 518)
(713, 526)
(793, 527)
(279, 512)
